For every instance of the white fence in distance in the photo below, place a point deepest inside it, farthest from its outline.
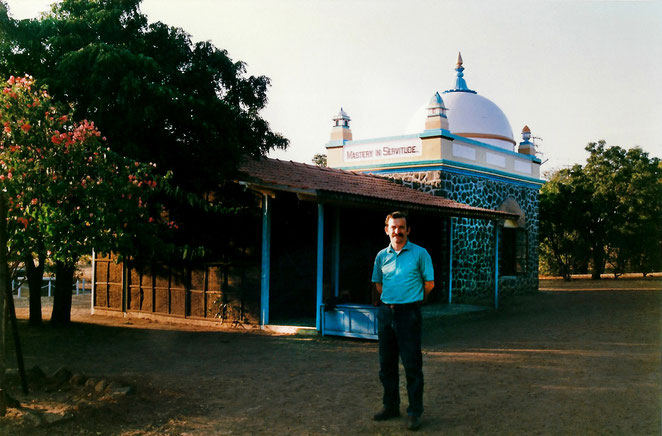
(79, 287)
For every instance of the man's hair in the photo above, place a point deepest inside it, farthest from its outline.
(396, 215)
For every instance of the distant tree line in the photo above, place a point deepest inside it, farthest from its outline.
(605, 216)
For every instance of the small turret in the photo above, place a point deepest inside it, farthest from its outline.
(526, 146)
(436, 118)
(340, 130)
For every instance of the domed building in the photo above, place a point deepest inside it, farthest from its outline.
(464, 150)
(304, 249)
(476, 117)
(470, 115)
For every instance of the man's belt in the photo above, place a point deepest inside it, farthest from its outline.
(406, 306)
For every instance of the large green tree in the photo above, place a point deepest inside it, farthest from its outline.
(564, 200)
(64, 190)
(631, 183)
(157, 96)
(608, 212)
(60, 185)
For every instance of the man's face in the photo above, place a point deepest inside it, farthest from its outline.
(397, 231)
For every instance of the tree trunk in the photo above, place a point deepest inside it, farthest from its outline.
(64, 281)
(4, 284)
(35, 275)
(598, 263)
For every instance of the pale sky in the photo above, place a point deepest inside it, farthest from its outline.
(573, 71)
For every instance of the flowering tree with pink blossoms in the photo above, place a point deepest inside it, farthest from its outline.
(64, 192)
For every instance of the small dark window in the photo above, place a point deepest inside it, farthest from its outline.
(513, 248)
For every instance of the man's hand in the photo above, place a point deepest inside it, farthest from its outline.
(427, 288)
(376, 293)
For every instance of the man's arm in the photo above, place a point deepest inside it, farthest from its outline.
(427, 287)
(377, 293)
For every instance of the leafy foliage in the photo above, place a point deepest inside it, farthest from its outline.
(65, 190)
(319, 160)
(64, 186)
(156, 95)
(608, 212)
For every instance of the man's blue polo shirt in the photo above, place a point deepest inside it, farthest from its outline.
(402, 275)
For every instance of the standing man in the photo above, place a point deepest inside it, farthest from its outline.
(403, 277)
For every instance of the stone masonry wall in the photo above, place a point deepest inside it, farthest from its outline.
(473, 239)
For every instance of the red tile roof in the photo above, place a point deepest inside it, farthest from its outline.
(333, 185)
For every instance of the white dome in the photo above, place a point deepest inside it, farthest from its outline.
(470, 115)
(476, 117)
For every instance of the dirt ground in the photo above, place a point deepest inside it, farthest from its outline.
(578, 358)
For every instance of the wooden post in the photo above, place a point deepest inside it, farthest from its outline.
(320, 264)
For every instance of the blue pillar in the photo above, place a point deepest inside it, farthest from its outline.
(450, 260)
(266, 256)
(496, 264)
(320, 264)
(336, 253)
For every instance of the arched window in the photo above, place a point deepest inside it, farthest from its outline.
(514, 241)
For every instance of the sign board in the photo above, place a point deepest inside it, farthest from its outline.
(382, 150)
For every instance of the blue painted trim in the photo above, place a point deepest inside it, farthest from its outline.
(343, 313)
(337, 143)
(450, 261)
(266, 256)
(470, 91)
(490, 173)
(493, 147)
(391, 165)
(496, 265)
(447, 166)
(431, 133)
(320, 261)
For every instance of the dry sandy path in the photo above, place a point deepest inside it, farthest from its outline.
(571, 361)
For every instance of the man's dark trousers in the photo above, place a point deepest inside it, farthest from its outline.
(399, 334)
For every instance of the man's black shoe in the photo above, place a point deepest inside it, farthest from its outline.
(413, 423)
(385, 414)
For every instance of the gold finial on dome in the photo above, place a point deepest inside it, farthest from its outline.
(459, 59)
